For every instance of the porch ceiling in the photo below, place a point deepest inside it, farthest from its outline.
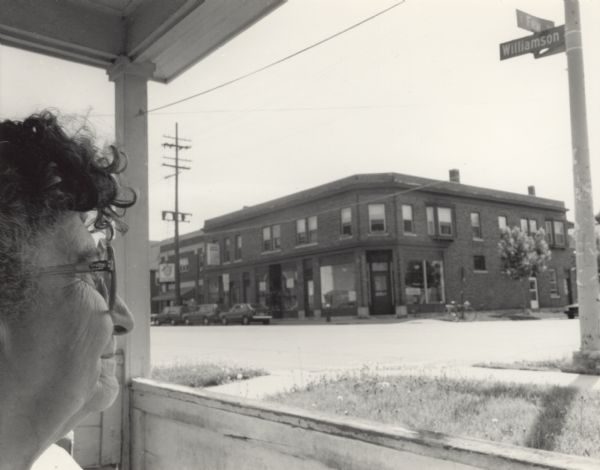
(172, 35)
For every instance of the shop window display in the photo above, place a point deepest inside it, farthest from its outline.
(424, 282)
(338, 284)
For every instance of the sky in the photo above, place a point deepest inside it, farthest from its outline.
(418, 90)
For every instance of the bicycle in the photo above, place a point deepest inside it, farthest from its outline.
(461, 312)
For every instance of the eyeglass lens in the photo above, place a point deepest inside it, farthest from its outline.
(103, 282)
(106, 280)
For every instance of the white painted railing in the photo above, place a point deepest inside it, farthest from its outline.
(176, 427)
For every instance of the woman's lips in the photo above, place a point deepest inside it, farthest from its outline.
(108, 366)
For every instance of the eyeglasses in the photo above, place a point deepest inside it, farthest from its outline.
(102, 272)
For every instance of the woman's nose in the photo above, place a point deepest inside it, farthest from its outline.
(122, 317)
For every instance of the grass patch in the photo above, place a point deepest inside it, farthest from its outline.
(203, 374)
(542, 417)
(550, 365)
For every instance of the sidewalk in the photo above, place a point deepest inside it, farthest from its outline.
(488, 315)
(283, 381)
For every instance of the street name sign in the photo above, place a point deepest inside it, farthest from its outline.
(533, 23)
(547, 42)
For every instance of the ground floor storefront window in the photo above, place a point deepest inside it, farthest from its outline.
(424, 282)
(338, 283)
(262, 279)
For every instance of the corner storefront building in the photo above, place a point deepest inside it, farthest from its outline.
(378, 244)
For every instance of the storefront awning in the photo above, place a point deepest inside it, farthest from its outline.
(166, 296)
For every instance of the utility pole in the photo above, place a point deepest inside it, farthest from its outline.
(548, 40)
(175, 215)
(585, 242)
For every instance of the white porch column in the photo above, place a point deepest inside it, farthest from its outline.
(131, 96)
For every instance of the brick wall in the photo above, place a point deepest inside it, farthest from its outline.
(488, 289)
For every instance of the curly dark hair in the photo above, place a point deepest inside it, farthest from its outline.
(44, 173)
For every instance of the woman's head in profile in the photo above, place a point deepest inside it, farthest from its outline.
(60, 206)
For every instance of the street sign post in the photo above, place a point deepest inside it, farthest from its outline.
(533, 23)
(547, 42)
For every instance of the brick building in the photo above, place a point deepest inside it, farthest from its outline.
(380, 244)
(191, 260)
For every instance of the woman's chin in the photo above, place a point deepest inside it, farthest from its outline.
(107, 388)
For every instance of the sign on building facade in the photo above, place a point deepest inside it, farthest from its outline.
(213, 254)
(166, 272)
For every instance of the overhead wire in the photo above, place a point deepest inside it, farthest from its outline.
(272, 64)
(222, 85)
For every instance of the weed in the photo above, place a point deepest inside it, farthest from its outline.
(559, 419)
(203, 374)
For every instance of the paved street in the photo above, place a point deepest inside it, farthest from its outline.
(329, 346)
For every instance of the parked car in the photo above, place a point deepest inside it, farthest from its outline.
(246, 314)
(202, 314)
(572, 311)
(172, 315)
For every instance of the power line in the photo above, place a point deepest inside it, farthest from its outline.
(287, 109)
(277, 62)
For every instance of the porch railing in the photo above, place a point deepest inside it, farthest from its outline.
(179, 427)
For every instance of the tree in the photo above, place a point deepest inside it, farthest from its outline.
(522, 255)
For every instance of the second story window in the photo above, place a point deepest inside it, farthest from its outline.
(276, 232)
(532, 226)
(476, 226)
(267, 241)
(271, 236)
(377, 218)
(524, 226)
(407, 219)
(559, 233)
(430, 221)
(555, 232)
(184, 265)
(227, 250)
(445, 221)
(306, 230)
(529, 226)
(502, 222)
(439, 221)
(238, 247)
(346, 221)
(549, 232)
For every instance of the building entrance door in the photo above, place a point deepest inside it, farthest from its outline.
(533, 294)
(567, 286)
(381, 298)
(245, 287)
(382, 302)
(275, 290)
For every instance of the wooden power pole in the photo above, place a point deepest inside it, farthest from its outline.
(548, 40)
(176, 216)
(585, 238)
